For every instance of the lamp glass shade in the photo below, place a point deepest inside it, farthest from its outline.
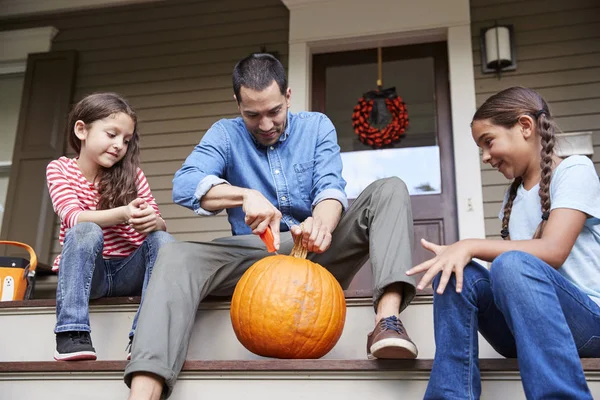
(498, 48)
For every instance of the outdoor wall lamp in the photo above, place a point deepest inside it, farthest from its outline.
(498, 49)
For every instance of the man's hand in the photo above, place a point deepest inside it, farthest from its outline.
(317, 230)
(260, 213)
(316, 236)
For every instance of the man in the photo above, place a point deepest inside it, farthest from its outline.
(271, 168)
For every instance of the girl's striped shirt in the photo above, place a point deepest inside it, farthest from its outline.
(72, 193)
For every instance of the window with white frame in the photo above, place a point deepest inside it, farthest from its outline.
(16, 46)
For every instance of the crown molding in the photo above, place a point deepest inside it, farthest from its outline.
(16, 46)
(18, 43)
(12, 67)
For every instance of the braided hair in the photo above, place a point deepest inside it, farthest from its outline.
(504, 109)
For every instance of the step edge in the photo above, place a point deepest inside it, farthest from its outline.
(126, 304)
(188, 375)
(272, 365)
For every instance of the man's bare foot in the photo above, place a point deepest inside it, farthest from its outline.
(146, 386)
(389, 303)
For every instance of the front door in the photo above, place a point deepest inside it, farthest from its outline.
(423, 158)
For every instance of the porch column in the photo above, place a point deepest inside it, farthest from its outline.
(469, 190)
(300, 76)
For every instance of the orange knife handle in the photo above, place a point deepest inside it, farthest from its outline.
(269, 240)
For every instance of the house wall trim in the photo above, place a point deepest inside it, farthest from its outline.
(17, 44)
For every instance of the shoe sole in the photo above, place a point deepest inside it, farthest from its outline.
(77, 356)
(393, 349)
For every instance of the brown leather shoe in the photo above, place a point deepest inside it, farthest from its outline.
(390, 340)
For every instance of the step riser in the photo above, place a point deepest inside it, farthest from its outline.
(383, 386)
(213, 337)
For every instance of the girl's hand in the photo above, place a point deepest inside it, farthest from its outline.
(448, 259)
(132, 208)
(143, 218)
(315, 236)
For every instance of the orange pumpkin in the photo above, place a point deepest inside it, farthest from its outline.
(288, 307)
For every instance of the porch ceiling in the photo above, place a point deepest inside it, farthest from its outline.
(17, 8)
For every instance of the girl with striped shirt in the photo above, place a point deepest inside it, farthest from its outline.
(110, 226)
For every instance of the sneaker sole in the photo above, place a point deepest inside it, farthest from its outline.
(393, 349)
(77, 356)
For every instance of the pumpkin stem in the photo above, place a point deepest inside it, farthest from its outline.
(298, 251)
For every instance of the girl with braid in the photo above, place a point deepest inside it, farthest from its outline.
(539, 301)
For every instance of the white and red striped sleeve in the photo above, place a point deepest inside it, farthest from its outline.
(63, 193)
(144, 192)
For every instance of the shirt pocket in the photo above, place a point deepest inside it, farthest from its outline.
(304, 176)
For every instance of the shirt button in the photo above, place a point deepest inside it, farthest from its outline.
(283, 198)
(272, 148)
(276, 172)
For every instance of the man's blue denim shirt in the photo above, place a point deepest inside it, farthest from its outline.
(302, 169)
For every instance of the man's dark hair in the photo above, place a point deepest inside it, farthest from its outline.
(257, 72)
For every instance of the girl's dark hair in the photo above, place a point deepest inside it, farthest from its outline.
(116, 185)
(504, 109)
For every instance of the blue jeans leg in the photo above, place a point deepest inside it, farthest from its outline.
(457, 318)
(554, 323)
(81, 274)
(130, 276)
(523, 306)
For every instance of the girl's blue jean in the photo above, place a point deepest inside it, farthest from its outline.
(525, 309)
(84, 274)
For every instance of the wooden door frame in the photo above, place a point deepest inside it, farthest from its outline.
(438, 51)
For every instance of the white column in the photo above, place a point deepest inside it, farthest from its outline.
(300, 76)
(469, 194)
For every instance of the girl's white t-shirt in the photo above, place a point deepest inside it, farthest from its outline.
(574, 185)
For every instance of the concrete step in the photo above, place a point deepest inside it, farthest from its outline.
(27, 330)
(218, 365)
(261, 379)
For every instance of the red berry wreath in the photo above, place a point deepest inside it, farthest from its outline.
(380, 118)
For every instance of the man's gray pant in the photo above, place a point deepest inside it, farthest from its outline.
(378, 225)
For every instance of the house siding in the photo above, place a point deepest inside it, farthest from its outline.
(558, 54)
(172, 60)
